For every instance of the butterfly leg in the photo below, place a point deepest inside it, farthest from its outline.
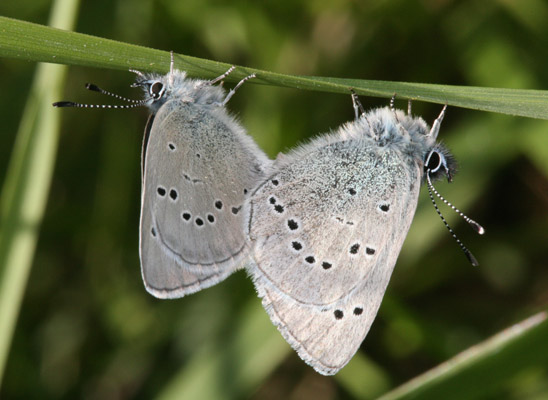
(392, 101)
(393, 108)
(233, 90)
(437, 123)
(223, 76)
(358, 108)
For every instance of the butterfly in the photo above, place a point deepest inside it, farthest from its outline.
(329, 222)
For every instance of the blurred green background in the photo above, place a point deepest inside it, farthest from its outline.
(87, 327)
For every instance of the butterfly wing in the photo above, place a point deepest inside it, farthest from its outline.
(327, 228)
(199, 167)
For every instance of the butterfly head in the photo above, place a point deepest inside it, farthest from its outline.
(155, 89)
(158, 88)
(175, 85)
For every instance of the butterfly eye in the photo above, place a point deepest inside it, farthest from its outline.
(156, 90)
(435, 161)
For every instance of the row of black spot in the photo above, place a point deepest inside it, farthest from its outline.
(339, 314)
(277, 207)
(312, 260)
(356, 247)
(173, 194)
(296, 245)
(219, 206)
(198, 220)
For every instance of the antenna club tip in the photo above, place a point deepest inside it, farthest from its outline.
(478, 228)
(91, 86)
(64, 104)
(472, 259)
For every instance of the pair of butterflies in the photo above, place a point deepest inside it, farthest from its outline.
(319, 229)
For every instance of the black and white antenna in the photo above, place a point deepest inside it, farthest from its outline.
(477, 227)
(95, 88)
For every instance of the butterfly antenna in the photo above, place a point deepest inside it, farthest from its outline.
(95, 88)
(477, 227)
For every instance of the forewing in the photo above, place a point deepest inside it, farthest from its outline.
(199, 168)
(327, 228)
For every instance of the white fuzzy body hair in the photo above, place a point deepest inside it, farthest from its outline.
(382, 127)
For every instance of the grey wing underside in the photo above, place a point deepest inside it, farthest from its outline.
(325, 308)
(198, 168)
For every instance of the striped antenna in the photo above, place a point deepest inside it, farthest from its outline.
(95, 88)
(477, 227)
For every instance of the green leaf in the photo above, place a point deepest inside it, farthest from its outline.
(34, 42)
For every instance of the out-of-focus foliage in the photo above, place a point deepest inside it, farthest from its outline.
(87, 327)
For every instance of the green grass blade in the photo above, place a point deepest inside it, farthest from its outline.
(483, 368)
(26, 189)
(34, 42)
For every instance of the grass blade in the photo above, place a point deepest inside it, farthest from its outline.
(25, 192)
(482, 368)
(34, 42)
